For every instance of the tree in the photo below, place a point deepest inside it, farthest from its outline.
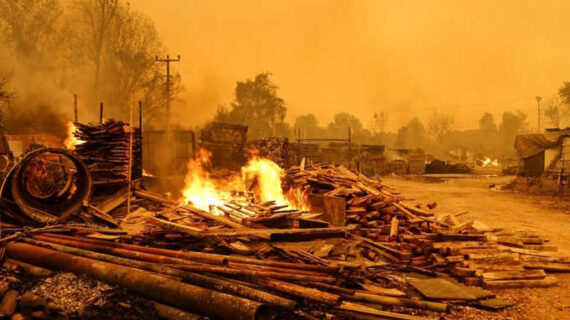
(564, 93)
(412, 135)
(487, 123)
(4, 93)
(257, 105)
(99, 19)
(513, 123)
(5, 96)
(341, 122)
(379, 122)
(30, 27)
(440, 124)
(553, 110)
(308, 124)
(119, 46)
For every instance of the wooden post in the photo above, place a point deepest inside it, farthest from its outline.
(101, 112)
(141, 138)
(349, 148)
(130, 173)
(75, 106)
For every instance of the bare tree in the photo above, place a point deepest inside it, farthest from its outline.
(440, 124)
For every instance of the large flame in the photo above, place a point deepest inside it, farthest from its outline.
(199, 190)
(70, 140)
(488, 162)
(267, 175)
(261, 176)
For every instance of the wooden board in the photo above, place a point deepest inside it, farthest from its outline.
(439, 288)
(334, 208)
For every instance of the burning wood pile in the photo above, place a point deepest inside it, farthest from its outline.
(104, 147)
(331, 244)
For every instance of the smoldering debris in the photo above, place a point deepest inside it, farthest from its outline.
(71, 294)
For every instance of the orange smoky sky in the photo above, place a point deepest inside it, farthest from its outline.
(406, 58)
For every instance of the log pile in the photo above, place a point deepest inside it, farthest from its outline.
(104, 148)
(385, 259)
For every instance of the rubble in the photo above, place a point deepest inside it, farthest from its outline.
(346, 246)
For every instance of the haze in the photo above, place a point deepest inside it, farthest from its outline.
(403, 57)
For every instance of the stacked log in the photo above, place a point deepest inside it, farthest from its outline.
(104, 148)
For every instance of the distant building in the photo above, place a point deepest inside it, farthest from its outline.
(545, 152)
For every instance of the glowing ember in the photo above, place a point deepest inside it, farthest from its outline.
(262, 176)
(147, 174)
(488, 162)
(70, 140)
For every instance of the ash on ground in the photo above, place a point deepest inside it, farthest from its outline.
(72, 294)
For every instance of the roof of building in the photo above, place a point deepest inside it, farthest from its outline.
(530, 144)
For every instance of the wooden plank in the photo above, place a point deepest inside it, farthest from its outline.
(178, 227)
(511, 284)
(334, 208)
(113, 201)
(441, 289)
(548, 267)
(514, 275)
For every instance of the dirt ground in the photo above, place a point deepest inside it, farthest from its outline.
(548, 216)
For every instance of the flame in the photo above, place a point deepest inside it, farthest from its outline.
(267, 175)
(488, 162)
(70, 140)
(262, 176)
(199, 189)
(147, 174)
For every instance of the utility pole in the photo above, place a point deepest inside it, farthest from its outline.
(168, 60)
(538, 98)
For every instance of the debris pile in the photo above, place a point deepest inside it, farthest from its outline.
(346, 247)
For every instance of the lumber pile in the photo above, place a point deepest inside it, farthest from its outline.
(411, 234)
(104, 148)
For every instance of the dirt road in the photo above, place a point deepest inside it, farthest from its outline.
(548, 216)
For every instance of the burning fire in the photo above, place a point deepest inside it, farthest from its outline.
(70, 140)
(199, 189)
(488, 162)
(261, 176)
(147, 174)
(267, 175)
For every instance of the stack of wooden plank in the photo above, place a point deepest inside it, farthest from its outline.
(105, 150)
(411, 234)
